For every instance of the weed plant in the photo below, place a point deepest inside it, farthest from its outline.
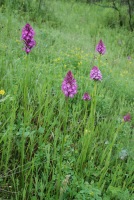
(49, 149)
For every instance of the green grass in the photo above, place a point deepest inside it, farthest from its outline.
(48, 147)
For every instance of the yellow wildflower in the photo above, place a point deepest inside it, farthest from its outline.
(92, 194)
(79, 63)
(2, 92)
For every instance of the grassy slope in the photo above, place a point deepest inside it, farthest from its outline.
(32, 126)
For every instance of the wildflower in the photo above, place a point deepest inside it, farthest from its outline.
(86, 97)
(123, 154)
(64, 184)
(28, 38)
(106, 142)
(95, 74)
(101, 48)
(79, 63)
(69, 85)
(127, 118)
(2, 92)
(92, 194)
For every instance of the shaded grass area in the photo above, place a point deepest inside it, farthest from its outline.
(41, 137)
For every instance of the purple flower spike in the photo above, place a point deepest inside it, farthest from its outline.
(28, 38)
(129, 57)
(101, 48)
(69, 85)
(127, 118)
(95, 74)
(86, 97)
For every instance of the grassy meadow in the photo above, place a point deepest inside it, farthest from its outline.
(51, 147)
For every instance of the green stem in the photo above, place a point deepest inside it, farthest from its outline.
(62, 143)
(93, 108)
(89, 130)
(26, 92)
(99, 60)
(85, 116)
(25, 101)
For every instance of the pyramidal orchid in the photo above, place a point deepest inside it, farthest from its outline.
(86, 97)
(28, 38)
(95, 74)
(100, 48)
(127, 118)
(69, 85)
